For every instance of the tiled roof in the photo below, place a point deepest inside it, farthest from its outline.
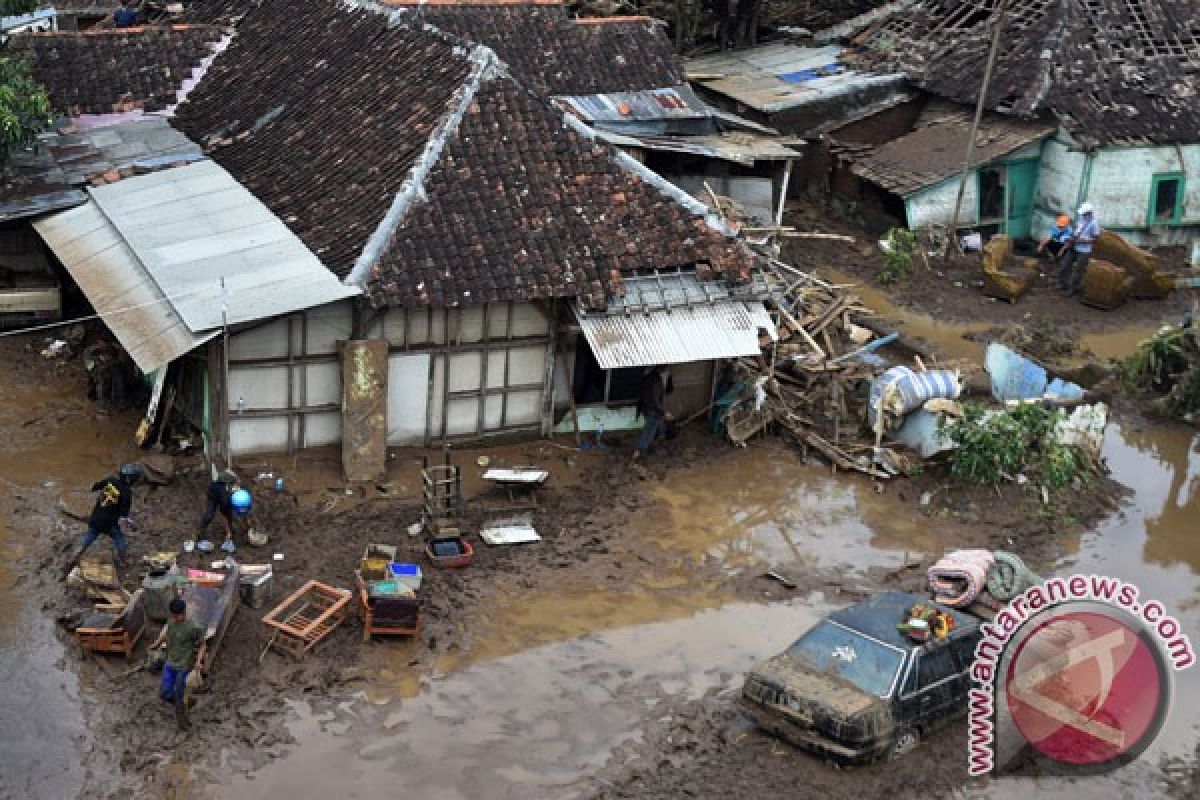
(1111, 71)
(520, 206)
(427, 171)
(934, 151)
(340, 109)
(555, 55)
(99, 72)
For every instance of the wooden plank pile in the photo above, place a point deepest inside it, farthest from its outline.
(809, 384)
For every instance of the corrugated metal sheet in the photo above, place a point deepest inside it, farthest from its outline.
(723, 329)
(678, 102)
(110, 275)
(740, 148)
(194, 225)
(777, 77)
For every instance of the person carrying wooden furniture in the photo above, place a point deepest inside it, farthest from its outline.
(186, 643)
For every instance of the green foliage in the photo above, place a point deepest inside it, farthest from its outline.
(995, 447)
(1156, 361)
(13, 8)
(899, 245)
(1167, 363)
(24, 107)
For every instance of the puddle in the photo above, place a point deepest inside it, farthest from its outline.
(529, 725)
(559, 614)
(763, 504)
(947, 338)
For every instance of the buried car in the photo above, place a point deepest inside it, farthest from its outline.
(856, 689)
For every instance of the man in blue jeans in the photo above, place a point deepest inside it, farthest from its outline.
(1087, 231)
(186, 642)
(111, 511)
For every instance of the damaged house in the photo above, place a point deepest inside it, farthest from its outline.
(1094, 100)
(621, 77)
(393, 240)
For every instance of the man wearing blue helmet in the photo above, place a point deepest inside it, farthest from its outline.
(219, 497)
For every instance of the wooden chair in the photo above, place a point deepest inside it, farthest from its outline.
(387, 616)
(104, 632)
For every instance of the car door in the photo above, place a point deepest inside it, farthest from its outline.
(929, 689)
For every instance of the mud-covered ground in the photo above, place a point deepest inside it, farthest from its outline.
(951, 291)
(698, 748)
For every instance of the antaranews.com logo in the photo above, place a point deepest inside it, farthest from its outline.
(1078, 670)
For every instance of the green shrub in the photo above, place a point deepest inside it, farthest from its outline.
(899, 245)
(997, 446)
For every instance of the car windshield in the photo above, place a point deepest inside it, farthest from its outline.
(864, 662)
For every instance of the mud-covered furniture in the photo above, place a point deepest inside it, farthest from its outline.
(1150, 282)
(306, 617)
(387, 614)
(114, 633)
(1005, 276)
(1106, 285)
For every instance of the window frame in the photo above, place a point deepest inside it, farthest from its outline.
(1152, 205)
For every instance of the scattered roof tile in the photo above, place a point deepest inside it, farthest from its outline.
(1111, 71)
(104, 71)
(555, 55)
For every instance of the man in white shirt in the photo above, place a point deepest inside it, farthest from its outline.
(1087, 231)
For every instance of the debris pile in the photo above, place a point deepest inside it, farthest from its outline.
(810, 383)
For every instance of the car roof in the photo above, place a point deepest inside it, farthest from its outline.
(878, 616)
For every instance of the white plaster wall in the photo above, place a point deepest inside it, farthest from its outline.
(322, 429)
(327, 325)
(1122, 179)
(935, 204)
(265, 341)
(257, 435)
(1059, 178)
(1119, 187)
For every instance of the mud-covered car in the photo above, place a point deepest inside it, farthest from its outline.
(856, 689)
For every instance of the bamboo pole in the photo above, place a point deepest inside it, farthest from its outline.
(987, 79)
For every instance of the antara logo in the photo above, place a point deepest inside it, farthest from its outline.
(1077, 670)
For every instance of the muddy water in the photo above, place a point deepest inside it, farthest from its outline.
(948, 338)
(529, 725)
(45, 460)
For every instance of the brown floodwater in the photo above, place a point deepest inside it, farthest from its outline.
(54, 447)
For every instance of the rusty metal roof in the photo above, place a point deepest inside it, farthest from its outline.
(780, 76)
(673, 103)
(675, 318)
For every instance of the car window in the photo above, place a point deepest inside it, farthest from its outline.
(935, 665)
(868, 664)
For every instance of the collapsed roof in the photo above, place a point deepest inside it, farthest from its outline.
(114, 70)
(421, 168)
(1110, 71)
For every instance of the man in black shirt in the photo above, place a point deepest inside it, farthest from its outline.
(656, 385)
(219, 498)
(111, 510)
